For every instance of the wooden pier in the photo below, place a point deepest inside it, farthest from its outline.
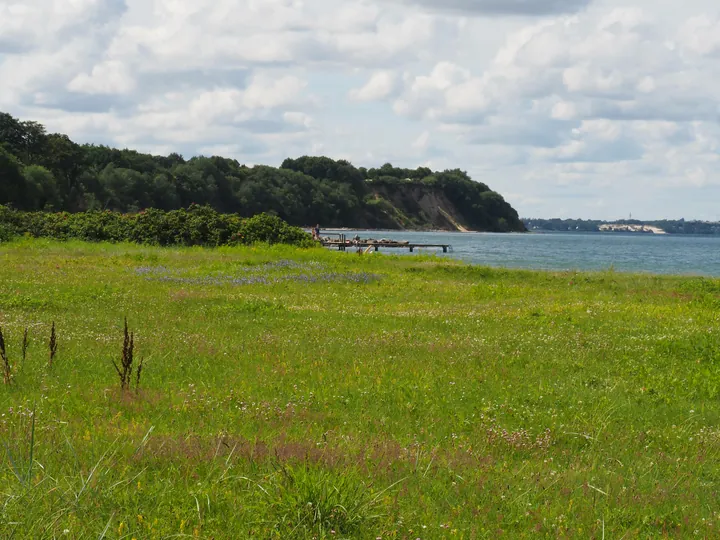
(343, 244)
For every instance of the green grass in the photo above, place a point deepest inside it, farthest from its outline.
(387, 397)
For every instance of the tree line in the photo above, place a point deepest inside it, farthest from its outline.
(48, 171)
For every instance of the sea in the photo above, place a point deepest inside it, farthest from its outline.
(622, 252)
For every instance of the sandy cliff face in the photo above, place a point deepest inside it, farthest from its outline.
(438, 211)
(429, 208)
(415, 207)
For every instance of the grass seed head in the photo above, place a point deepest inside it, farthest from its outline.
(7, 371)
(25, 345)
(125, 369)
(53, 345)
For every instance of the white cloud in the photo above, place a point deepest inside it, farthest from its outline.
(504, 7)
(194, 34)
(28, 24)
(564, 110)
(262, 106)
(425, 94)
(109, 77)
(423, 141)
(701, 35)
(265, 92)
(380, 86)
(614, 68)
(225, 104)
(595, 141)
(298, 119)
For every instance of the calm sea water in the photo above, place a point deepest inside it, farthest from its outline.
(687, 255)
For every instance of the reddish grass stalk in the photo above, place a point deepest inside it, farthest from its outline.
(53, 345)
(125, 369)
(25, 344)
(7, 372)
(139, 372)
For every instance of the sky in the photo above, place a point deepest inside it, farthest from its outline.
(596, 109)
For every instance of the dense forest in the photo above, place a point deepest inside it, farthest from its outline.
(41, 171)
(670, 226)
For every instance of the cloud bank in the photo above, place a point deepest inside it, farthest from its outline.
(504, 7)
(568, 107)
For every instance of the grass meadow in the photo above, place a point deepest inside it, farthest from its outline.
(291, 393)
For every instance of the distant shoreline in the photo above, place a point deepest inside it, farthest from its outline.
(628, 226)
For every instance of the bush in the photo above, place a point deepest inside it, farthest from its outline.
(270, 229)
(196, 226)
(6, 234)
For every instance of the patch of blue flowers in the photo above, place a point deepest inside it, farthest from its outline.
(264, 274)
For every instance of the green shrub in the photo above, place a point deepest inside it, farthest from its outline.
(6, 234)
(196, 226)
(270, 229)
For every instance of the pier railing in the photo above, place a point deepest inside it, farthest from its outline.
(342, 243)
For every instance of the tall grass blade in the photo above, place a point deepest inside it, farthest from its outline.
(32, 445)
(23, 476)
(107, 527)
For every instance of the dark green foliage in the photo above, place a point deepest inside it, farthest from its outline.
(270, 229)
(40, 171)
(196, 226)
(42, 187)
(13, 187)
(6, 233)
(8, 226)
(325, 168)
